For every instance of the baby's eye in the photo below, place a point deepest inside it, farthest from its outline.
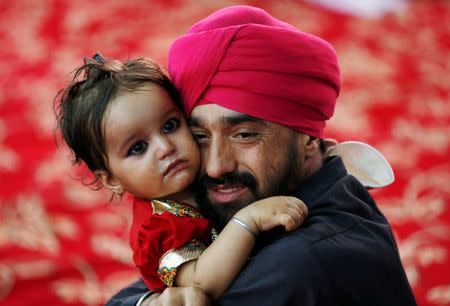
(171, 125)
(137, 148)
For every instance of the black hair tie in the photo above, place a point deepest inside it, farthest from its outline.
(98, 57)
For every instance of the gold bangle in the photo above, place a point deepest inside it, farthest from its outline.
(244, 225)
(174, 258)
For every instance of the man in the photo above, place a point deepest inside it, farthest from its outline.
(257, 93)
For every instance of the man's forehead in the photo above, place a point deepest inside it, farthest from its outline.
(213, 113)
(201, 111)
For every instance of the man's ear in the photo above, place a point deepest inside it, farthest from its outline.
(329, 143)
(311, 145)
(109, 181)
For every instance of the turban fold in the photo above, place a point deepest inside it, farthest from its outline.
(245, 60)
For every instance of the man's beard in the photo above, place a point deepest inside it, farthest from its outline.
(280, 183)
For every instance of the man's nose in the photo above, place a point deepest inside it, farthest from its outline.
(219, 159)
(164, 147)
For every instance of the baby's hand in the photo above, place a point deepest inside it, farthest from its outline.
(268, 213)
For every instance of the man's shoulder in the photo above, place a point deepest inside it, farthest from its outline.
(297, 249)
(326, 238)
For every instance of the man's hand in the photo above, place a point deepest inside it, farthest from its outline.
(178, 296)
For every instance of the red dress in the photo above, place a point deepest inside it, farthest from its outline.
(165, 234)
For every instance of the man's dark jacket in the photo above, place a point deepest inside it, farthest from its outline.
(344, 254)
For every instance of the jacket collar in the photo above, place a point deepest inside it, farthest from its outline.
(310, 190)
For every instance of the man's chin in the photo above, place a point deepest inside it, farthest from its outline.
(221, 212)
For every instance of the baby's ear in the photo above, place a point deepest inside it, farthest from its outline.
(109, 181)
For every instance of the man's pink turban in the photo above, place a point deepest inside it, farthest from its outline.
(245, 60)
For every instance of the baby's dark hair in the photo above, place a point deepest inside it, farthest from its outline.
(81, 106)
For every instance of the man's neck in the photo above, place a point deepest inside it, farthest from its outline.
(312, 165)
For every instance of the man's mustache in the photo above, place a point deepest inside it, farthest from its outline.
(237, 178)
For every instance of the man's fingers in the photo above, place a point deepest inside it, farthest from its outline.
(181, 296)
(150, 301)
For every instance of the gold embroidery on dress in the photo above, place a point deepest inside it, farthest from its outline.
(174, 207)
(174, 258)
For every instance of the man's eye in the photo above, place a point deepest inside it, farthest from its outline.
(199, 137)
(246, 135)
(137, 148)
(171, 125)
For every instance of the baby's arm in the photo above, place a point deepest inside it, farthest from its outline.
(219, 264)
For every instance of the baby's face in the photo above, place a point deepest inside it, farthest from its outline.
(150, 149)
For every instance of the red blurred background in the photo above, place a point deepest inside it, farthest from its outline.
(64, 244)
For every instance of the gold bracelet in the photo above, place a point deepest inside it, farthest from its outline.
(174, 258)
(244, 225)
